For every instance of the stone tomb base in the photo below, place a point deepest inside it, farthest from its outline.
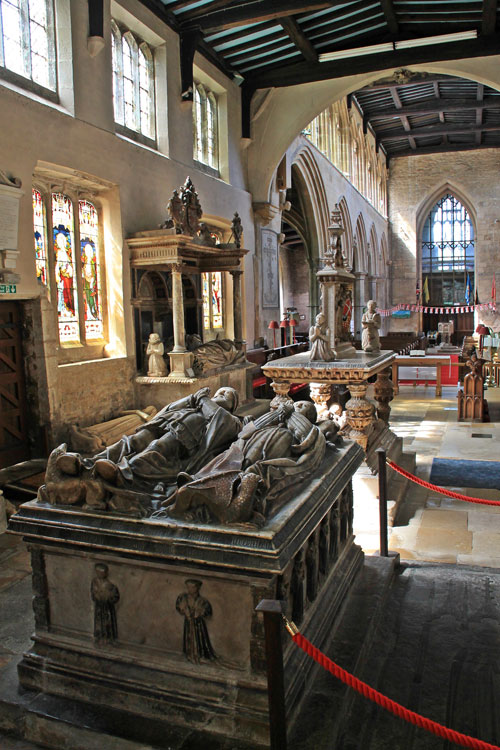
(139, 651)
(161, 391)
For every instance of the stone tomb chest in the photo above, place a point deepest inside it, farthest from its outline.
(157, 617)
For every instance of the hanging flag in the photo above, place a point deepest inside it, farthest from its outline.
(468, 289)
(425, 290)
(494, 289)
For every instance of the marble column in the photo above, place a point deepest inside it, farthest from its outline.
(237, 313)
(180, 359)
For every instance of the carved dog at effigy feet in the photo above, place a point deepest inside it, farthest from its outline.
(256, 475)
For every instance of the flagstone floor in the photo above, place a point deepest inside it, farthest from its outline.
(430, 526)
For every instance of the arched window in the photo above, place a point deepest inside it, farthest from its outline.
(448, 253)
(133, 83)
(74, 276)
(205, 125)
(27, 45)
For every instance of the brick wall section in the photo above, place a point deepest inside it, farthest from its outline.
(415, 179)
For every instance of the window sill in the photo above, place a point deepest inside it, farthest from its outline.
(207, 169)
(25, 87)
(138, 138)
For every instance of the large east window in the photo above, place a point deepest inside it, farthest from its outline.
(68, 258)
(205, 123)
(27, 43)
(448, 253)
(133, 83)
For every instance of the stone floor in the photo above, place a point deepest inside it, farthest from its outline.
(428, 525)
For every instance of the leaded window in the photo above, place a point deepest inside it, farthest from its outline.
(133, 83)
(212, 295)
(27, 43)
(73, 271)
(448, 252)
(205, 123)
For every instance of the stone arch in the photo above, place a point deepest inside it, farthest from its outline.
(289, 109)
(430, 200)
(314, 193)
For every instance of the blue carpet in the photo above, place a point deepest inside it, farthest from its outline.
(447, 472)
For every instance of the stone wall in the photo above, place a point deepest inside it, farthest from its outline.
(415, 184)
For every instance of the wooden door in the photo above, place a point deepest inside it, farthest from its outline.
(13, 422)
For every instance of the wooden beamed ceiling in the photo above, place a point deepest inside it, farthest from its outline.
(274, 43)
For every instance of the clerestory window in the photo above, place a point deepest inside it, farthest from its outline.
(68, 258)
(27, 43)
(133, 83)
(205, 122)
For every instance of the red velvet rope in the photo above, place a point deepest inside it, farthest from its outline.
(381, 700)
(434, 487)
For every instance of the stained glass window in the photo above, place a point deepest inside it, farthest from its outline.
(39, 226)
(213, 304)
(205, 288)
(91, 272)
(448, 251)
(216, 300)
(27, 40)
(133, 82)
(205, 126)
(64, 255)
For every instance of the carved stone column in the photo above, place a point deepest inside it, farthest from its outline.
(360, 415)
(180, 359)
(321, 394)
(281, 389)
(384, 393)
(237, 314)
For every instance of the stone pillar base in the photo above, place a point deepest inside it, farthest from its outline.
(181, 365)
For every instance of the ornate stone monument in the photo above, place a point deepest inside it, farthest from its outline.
(149, 607)
(337, 289)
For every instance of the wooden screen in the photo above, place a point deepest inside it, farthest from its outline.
(13, 427)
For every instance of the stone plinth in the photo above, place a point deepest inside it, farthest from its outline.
(362, 424)
(160, 391)
(112, 597)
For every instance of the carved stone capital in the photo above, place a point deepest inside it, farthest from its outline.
(265, 211)
(176, 267)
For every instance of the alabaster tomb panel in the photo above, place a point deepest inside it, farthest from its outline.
(151, 606)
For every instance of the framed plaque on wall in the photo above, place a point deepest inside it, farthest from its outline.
(270, 274)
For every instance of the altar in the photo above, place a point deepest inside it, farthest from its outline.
(325, 377)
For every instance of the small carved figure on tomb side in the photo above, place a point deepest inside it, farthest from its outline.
(324, 546)
(297, 587)
(105, 595)
(156, 364)
(195, 608)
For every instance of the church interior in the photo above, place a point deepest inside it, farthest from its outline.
(248, 321)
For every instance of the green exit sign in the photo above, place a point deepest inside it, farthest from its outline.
(8, 288)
